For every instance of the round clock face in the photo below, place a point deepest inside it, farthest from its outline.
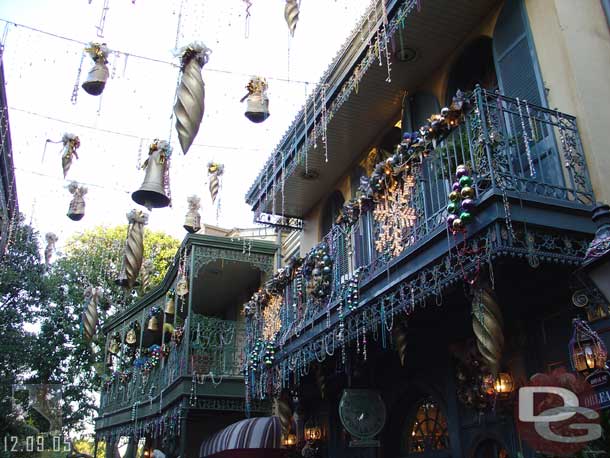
(362, 413)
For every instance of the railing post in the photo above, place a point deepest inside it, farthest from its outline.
(480, 108)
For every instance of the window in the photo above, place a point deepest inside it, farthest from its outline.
(427, 430)
(331, 210)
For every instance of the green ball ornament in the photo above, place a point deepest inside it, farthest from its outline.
(466, 217)
(465, 181)
(467, 193)
(454, 196)
(453, 207)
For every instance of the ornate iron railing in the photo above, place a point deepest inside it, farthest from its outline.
(511, 147)
(215, 351)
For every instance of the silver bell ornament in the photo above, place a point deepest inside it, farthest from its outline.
(154, 192)
(192, 221)
(257, 109)
(134, 249)
(190, 95)
(76, 210)
(98, 75)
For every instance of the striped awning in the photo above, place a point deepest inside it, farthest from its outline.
(252, 433)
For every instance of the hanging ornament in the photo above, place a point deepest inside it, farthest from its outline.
(134, 249)
(71, 143)
(190, 95)
(487, 325)
(291, 14)
(51, 239)
(400, 341)
(76, 210)
(321, 380)
(98, 75)
(131, 338)
(170, 303)
(461, 200)
(90, 317)
(215, 171)
(145, 274)
(115, 344)
(588, 352)
(153, 319)
(257, 109)
(182, 288)
(154, 192)
(192, 221)
(284, 411)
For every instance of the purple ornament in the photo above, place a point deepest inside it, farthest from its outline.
(460, 171)
(468, 205)
(406, 136)
(456, 186)
(450, 219)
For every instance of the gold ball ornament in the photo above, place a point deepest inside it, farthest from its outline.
(454, 196)
(458, 224)
(467, 192)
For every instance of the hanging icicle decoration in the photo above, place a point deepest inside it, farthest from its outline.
(90, 316)
(215, 171)
(291, 14)
(71, 143)
(190, 96)
(324, 123)
(98, 75)
(248, 14)
(76, 210)
(51, 239)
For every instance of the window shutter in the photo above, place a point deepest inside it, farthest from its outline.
(423, 105)
(515, 57)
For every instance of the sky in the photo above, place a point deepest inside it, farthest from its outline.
(116, 128)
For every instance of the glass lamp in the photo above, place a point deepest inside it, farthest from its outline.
(504, 384)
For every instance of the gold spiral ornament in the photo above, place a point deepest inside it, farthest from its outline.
(321, 380)
(190, 96)
(400, 341)
(487, 325)
(134, 245)
(285, 413)
(146, 274)
(291, 14)
(90, 316)
(215, 171)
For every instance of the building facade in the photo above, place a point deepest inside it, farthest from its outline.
(396, 327)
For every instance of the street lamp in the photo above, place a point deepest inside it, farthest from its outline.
(504, 385)
(587, 351)
(596, 265)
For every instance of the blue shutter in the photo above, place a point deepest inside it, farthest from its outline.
(515, 58)
(423, 105)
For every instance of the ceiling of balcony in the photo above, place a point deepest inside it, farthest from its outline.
(434, 32)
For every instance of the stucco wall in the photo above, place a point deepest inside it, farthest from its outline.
(573, 46)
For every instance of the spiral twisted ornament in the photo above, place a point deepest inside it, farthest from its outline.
(90, 317)
(291, 14)
(321, 380)
(134, 245)
(71, 143)
(190, 95)
(145, 274)
(284, 411)
(400, 341)
(215, 171)
(51, 239)
(487, 325)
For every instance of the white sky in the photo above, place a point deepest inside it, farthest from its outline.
(41, 72)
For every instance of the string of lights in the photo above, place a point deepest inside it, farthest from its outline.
(146, 58)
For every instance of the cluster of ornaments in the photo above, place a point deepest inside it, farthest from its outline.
(255, 354)
(352, 290)
(317, 269)
(461, 200)
(269, 355)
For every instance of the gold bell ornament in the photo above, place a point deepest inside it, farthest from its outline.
(257, 108)
(153, 323)
(190, 95)
(134, 249)
(131, 338)
(170, 304)
(114, 346)
(76, 210)
(98, 75)
(192, 221)
(154, 192)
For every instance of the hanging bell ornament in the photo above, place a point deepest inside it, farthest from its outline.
(134, 249)
(153, 323)
(190, 95)
(51, 239)
(131, 338)
(71, 143)
(170, 304)
(182, 288)
(98, 75)
(215, 171)
(154, 192)
(192, 221)
(114, 346)
(291, 14)
(76, 210)
(257, 109)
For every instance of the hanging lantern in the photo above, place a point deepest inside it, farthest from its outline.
(153, 323)
(90, 317)
(98, 75)
(257, 109)
(190, 95)
(587, 351)
(51, 239)
(192, 221)
(134, 249)
(170, 303)
(154, 192)
(291, 14)
(76, 210)
(71, 143)
(215, 171)
(504, 385)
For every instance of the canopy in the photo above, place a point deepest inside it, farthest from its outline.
(248, 436)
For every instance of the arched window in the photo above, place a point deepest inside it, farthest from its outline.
(427, 429)
(331, 210)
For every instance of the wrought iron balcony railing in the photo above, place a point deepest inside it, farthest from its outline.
(211, 353)
(513, 149)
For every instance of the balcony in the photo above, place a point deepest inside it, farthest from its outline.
(533, 199)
